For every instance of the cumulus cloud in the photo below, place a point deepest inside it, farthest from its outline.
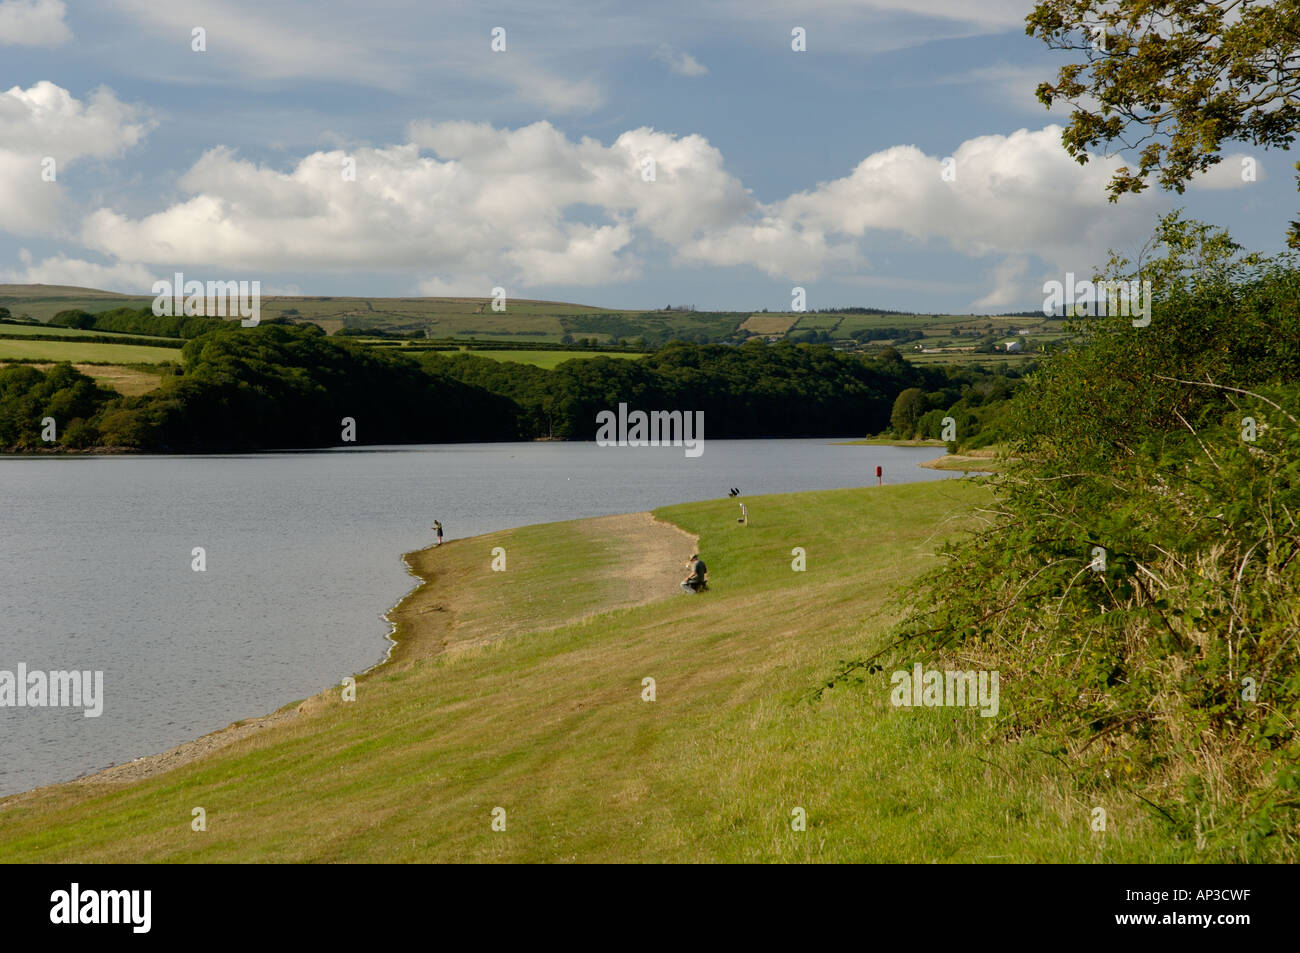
(463, 207)
(33, 23)
(488, 202)
(42, 130)
(1017, 194)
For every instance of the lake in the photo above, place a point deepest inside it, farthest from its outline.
(303, 558)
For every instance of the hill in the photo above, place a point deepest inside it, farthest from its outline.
(525, 322)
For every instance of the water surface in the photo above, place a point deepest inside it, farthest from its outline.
(303, 556)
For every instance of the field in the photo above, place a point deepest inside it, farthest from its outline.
(43, 302)
(85, 351)
(829, 323)
(27, 330)
(549, 359)
(776, 324)
(127, 381)
(549, 727)
(526, 322)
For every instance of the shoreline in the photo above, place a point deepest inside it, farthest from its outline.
(407, 644)
(397, 651)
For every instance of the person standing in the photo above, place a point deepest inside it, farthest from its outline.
(437, 528)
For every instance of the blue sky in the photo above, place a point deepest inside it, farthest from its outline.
(527, 168)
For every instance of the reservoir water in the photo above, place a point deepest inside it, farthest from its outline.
(303, 558)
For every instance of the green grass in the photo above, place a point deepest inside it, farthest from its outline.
(24, 330)
(818, 322)
(85, 351)
(967, 357)
(549, 359)
(552, 727)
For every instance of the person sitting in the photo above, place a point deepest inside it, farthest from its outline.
(697, 578)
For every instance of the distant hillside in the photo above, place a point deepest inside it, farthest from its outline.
(43, 302)
(527, 321)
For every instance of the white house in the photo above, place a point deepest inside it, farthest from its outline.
(1013, 346)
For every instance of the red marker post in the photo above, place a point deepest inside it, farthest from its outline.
(880, 477)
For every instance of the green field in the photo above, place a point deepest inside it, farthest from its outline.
(830, 323)
(85, 351)
(549, 359)
(27, 330)
(527, 322)
(551, 725)
(43, 302)
(967, 357)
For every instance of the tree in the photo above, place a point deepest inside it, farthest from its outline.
(74, 318)
(908, 408)
(1174, 78)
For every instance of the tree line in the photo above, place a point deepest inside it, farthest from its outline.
(291, 386)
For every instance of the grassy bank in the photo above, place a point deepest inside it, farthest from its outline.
(478, 712)
(987, 460)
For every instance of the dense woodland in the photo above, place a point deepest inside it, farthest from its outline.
(291, 386)
(137, 321)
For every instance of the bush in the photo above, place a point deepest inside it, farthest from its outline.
(1140, 593)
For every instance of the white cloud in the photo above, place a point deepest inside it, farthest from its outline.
(491, 202)
(680, 62)
(46, 119)
(1017, 194)
(33, 23)
(44, 123)
(1235, 172)
(126, 277)
(464, 207)
(1009, 289)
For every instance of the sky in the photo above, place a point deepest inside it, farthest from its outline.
(627, 155)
